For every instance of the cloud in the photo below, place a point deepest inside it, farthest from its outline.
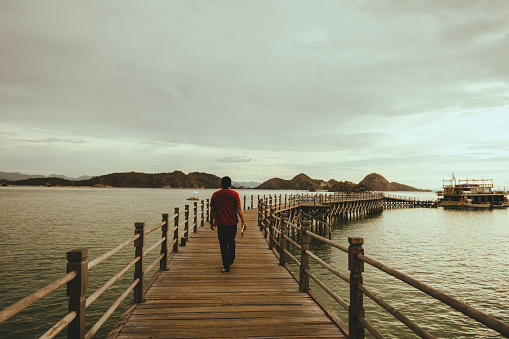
(291, 83)
(51, 140)
(235, 159)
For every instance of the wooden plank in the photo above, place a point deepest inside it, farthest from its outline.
(258, 299)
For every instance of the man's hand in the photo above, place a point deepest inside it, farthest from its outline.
(212, 226)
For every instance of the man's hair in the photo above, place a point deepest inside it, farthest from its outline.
(226, 182)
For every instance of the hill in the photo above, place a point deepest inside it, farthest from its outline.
(15, 176)
(345, 186)
(376, 182)
(247, 184)
(299, 182)
(175, 179)
(18, 176)
(372, 182)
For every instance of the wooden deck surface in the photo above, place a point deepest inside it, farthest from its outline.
(258, 299)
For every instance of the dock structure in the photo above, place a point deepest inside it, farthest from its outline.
(394, 201)
(194, 299)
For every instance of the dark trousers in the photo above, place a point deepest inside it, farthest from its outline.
(226, 236)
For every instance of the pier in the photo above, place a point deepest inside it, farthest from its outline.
(193, 299)
(271, 291)
(396, 201)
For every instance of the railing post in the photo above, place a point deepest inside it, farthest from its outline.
(252, 201)
(138, 268)
(163, 264)
(245, 206)
(208, 210)
(76, 291)
(356, 267)
(186, 225)
(304, 257)
(282, 241)
(260, 205)
(272, 224)
(195, 228)
(202, 222)
(176, 231)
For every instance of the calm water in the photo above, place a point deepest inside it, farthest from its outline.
(463, 253)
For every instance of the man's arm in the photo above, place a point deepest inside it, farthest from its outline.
(241, 214)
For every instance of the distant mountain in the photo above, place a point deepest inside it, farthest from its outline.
(376, 182)
(299, 182)
(372, 182)
(83, 177)
(345, 186)
(246, 184)
(176, 179)
(19, 176)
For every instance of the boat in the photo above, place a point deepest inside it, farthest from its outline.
(471, 193)
(194, 197)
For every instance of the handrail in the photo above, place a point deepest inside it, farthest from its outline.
(110, 282)
(36, 296)
(369, 327)
(398, 315)
(155, 228)
(112, 309)
(328, 290)
(460, 306)
(179, 214)
(156, 260)
(59, 326)
(151, 248)
(183, 233)
(327, 241)
(112, 252)
(295, 260)
(329, 267)
(293, 242)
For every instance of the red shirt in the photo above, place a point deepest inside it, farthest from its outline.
(225, 203)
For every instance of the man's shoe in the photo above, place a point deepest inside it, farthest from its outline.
(225, 270)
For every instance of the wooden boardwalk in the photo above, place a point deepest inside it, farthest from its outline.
(258, 299)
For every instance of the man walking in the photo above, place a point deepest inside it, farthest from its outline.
(225, 206)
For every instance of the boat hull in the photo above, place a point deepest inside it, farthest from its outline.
(456, 204)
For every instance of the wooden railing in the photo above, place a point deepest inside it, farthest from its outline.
(274, 222)
(78, 267)
(279, 201)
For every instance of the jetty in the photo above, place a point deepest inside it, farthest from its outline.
(270, 292)
(194, 299)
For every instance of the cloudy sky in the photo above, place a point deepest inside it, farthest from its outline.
(413, 90)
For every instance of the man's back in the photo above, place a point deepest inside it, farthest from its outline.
(225, 203)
